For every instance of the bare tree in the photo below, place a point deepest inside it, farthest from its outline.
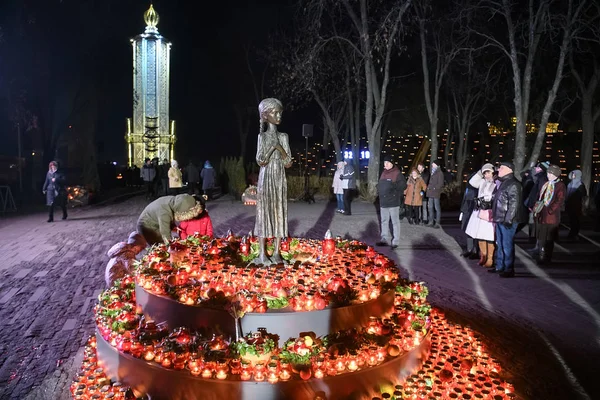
(442, 43)
(529, 27)
(586, 72)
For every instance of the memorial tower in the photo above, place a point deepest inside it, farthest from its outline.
(150, 133)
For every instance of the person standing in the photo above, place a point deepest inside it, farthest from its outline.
(480, 226)
(349, 185)
(413, 196)
(162, 174)
(576, 192)
(466, 211)
(547, 213)
(539, 179)
(193, 177)
(175, 181)
(391, 187)
(338, 187)
(425, 176)
(55, 190)
(208, 179)
(434, 191)
(506, 210)
(148, 174)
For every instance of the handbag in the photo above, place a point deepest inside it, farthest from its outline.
(485, 215)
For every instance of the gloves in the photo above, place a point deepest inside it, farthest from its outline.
(341, 177)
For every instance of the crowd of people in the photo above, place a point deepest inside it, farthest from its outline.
(496, 206)
(168, 178)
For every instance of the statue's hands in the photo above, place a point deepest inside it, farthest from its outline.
(281, 150)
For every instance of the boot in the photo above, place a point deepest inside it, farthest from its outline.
(482, 252)
(542, 257)
(489, 262)
(50, 214)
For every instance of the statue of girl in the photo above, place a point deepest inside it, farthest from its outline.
(273, 156)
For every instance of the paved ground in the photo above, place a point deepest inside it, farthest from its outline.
(544, 325)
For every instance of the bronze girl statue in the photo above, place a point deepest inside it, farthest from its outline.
(273, 156)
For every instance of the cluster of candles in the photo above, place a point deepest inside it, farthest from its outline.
(200, 273)
(458, 367)
(91, 382)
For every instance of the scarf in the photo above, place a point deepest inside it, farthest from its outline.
(575, 182)
(547, 192)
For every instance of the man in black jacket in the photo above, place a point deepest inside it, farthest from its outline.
(391, 187)
(506, 211)
(425, 175)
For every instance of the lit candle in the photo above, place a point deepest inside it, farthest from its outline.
(221, 374)
(284, 375)
(206, 373)
(319, 373)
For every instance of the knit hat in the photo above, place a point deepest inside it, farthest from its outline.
(436, 162)
(487, 167)
(387, 158)
(544, 165)
(508, 164)
(554, 170)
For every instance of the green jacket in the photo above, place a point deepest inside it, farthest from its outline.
(160, 214)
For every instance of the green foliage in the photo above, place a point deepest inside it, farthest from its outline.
(233, 167)
(277, 302)
(244, 348)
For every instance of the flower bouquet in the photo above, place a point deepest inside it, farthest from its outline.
(257, 347)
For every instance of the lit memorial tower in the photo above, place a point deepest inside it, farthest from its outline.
(150, 133)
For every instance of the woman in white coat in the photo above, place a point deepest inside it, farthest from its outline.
(338, 187)
(480, 225)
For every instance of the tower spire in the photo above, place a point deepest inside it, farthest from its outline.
(151, 18)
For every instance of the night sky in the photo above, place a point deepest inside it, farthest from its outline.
(208, 69)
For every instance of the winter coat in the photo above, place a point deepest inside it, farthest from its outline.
(576, 192)
(539, 179)
(208, 178)
(348, 177)
(159, 215)
(479, 228)
(148, 173)
(174, 178)
(56, 192)
(435, 185)
(507, 205)
(412, 194)
(468, 203)
(550, 214)
(192, 174)
(338, 184)
(201, 226)
(391, 187)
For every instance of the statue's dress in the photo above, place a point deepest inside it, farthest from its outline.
(271, 207)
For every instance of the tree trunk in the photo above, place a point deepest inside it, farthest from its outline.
(587, 139)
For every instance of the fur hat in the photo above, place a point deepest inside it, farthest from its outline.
(189, 214)
(554, 170)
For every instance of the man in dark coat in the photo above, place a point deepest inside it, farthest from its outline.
(148, 175)
(55, 189)
(391, 187)
(434, 192)
(539, 178)
(208, 175)
(506, 214)
(193, 177)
